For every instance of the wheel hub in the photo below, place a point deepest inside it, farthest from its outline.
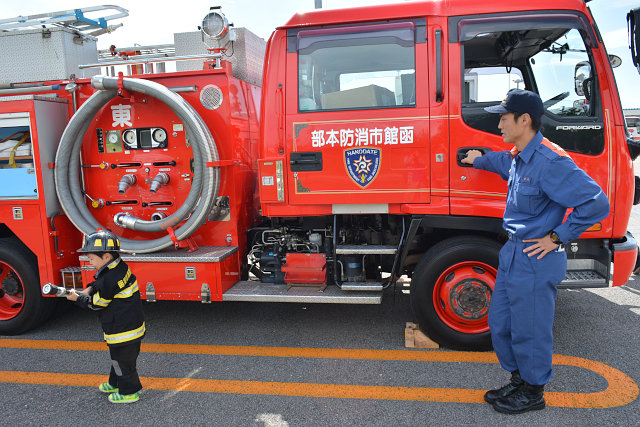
(470, 299)
(9, 286)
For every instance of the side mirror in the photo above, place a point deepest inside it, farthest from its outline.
(633, 22)
(582, 73)
(615, 61)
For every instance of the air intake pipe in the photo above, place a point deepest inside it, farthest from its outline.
(204, 186)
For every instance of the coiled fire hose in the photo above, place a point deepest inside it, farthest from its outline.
(204, 186)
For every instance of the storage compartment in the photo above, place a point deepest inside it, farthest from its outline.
(305, 268)
(45, 54)
(23, 183)
(15, 147)
(30, 129)
(16, 157)
(246, 56)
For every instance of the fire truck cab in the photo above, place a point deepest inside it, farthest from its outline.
(376, 106)
(352, 138)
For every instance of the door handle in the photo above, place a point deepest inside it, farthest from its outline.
(306, 161)
(462, 153)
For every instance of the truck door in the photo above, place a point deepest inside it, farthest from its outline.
(355, 131)
(551, 54)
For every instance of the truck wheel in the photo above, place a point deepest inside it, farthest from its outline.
(451, 289)
(22, 305)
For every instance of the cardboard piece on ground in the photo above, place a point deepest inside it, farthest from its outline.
(415, 338)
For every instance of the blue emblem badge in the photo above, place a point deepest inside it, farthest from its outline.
(362, 164)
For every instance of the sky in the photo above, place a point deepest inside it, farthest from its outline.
(154, 22)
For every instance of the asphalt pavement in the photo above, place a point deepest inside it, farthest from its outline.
(261, 364)
(258, 364)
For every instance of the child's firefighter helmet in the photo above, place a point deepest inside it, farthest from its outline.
(100, 241)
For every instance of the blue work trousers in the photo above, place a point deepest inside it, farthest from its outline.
(522, 310)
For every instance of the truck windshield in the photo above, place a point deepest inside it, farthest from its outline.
(362, 67)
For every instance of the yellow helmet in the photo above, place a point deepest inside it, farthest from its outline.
(100, 241)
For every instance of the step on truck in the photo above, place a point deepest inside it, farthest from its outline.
(321, 166)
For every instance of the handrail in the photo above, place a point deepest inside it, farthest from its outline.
(438, 66)
(169, 47)
(133, 61)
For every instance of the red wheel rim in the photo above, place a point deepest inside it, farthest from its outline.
(11, 292)
(462, 294)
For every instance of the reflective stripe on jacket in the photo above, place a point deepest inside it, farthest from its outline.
(123, 337)
(117, 298)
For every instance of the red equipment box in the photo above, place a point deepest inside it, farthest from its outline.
(305, 268)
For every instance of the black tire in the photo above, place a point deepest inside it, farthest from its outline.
(21, 302)
(458, 273)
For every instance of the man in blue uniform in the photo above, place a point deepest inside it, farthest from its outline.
(543, 182)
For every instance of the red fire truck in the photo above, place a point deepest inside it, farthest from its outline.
(352, 138)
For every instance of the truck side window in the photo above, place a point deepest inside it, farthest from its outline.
(489, 84)
(633, 127)
(553, 61)
(485, 86)
(554, 69)
(363, 67)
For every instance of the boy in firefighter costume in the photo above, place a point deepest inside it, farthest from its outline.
(543, 182)
(115, 294)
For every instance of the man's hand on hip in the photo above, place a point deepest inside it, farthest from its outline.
(540, 247)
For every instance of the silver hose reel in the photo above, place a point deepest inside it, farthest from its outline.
(204, 186)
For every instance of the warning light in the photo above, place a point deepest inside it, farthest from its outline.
(215, 25)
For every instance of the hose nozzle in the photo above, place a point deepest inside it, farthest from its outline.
(161, 179)
(125, 182)
(51, 289)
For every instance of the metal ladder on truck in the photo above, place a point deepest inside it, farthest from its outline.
(73, 19)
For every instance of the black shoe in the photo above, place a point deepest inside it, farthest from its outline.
(527, 398)
(493, 395)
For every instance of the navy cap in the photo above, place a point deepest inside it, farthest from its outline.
(519, 101)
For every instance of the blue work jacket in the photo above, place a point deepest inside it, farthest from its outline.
(543, 182)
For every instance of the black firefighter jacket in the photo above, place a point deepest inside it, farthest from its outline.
(115, 294)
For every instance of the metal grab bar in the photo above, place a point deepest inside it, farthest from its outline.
(438, 66)
(159, 48)
(132, 60)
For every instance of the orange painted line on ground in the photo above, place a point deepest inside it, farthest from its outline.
(621, 389)
(337, 391)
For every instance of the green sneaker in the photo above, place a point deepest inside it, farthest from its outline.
(124, 398)
(107, 388)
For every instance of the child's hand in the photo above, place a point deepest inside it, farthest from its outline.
(72, 295)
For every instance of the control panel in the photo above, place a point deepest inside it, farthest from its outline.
(114, 141)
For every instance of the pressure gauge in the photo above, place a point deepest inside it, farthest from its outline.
(129, 137)
(159, 135)
(113, 138)
(144, 138)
